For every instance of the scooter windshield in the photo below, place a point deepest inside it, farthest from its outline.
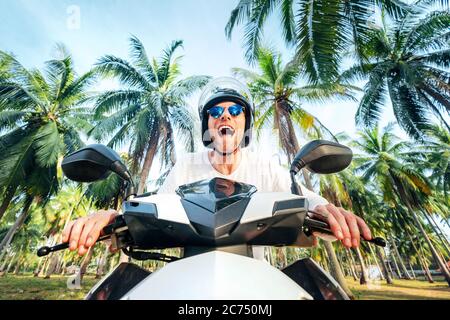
(215, 194)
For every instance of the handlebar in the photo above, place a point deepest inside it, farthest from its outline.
(312, 225)
(117, 226)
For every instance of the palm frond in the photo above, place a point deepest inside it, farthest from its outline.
(16, 158)
(111, 101)
(48, 145)
(371, 104)
(141, 60)
(111, 66)
(166, 61)
(10, 119)
(238, 14)
(253, 28)
(320, 41)
(428, 31)
(410, 114)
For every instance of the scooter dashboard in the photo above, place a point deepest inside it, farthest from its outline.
(215, 213)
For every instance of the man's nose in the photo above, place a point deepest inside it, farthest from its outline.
(225, 115)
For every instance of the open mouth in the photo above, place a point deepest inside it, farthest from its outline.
(226, 131)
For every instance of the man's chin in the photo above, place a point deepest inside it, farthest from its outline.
(226, 148)
(227, 145)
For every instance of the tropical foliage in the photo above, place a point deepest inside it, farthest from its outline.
(408, 62)
(149, 107)
(400, 187)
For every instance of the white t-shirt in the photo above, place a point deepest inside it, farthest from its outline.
(265, 174)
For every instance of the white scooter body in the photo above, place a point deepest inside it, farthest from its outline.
(216, 273)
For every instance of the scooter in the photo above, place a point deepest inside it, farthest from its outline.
(216, 222)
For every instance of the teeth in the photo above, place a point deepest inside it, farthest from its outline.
(226, 130)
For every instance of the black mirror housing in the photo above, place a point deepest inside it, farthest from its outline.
(322, 157)
(92, 163)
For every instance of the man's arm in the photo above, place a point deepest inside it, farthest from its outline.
(345, 225)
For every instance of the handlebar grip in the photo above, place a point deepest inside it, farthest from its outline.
(323, 227)
(43, 251)
(107, 231)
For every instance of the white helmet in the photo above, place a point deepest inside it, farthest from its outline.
(226, 89)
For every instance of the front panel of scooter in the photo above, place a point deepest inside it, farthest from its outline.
(215, 213)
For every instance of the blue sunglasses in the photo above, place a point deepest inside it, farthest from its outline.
(217, 111)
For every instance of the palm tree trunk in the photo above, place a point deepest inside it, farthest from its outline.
(438, 232)
(352, 264)
(11, 262)
(84, 265)
(5, 264)
(63, 268)
(291, 146)
(425, 268)
(422, 262)
(281, 257)
(383, 264)
(17, 268)
(3, 257)
(38, 268)
(376, 262)
(148, 160)
(363, 278)
(19, 260)
(25, 267)
(397, 269)
(6, 201)
(388, 262)
(17, 224)
(436, 257)
(102, 263)
(335, 269)
(440, 229)
(427, 273)
(412, 269)
(402, 265)
(442, 266)
(54, 260)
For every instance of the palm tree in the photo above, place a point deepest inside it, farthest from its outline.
(434, 154)
(41, 115)
(399, 182)
(408, 62)
(320, 30)
(148, 109)
(278, 103)
(279, 100)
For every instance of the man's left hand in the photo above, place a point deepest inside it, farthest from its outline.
(345, 225)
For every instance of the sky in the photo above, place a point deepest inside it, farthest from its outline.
(90, 29)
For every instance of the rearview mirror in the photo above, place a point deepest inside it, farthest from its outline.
(323, 157)
(92, 163)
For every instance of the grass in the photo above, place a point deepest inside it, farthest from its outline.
(27, 287)
(401, 290)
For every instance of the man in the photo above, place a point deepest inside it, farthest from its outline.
(227, 116)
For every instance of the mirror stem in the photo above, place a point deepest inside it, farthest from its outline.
(130, 190)
(295, 187)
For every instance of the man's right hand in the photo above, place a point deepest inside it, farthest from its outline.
(84, 232)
